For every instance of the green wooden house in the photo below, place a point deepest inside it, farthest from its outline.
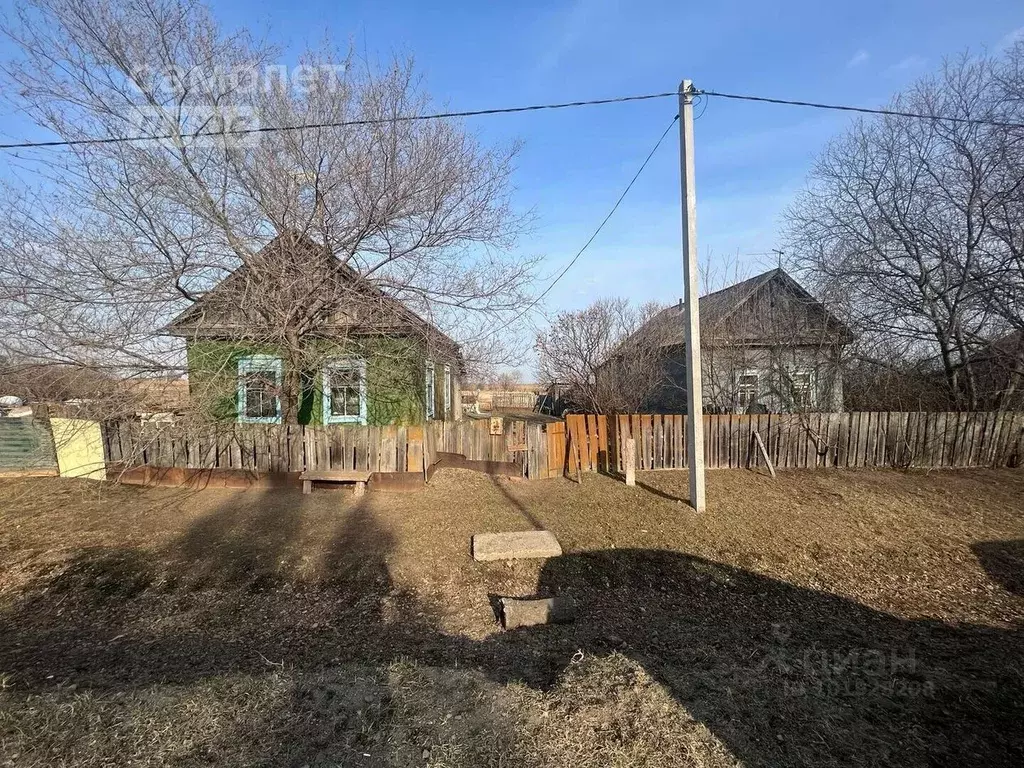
(296, 336)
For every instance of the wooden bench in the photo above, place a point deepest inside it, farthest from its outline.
(360, 478)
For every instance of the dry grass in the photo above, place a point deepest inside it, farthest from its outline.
(856, 618)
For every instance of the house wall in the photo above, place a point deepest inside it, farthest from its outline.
(776, 331)
(722, 366)
(775, 367)
(395, 378)
(774, 334)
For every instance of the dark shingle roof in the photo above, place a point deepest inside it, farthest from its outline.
(718, 306)
(365, 307)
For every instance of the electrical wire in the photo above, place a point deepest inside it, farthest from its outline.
(864, 110)
(506, 111)
(339, 124)
(596, 232)
(703, 106)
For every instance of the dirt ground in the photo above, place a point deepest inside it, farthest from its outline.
(830, 618)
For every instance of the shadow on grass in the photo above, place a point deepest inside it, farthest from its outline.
(1003, 561)
(520, 507)
(620, 477)
(781, 674)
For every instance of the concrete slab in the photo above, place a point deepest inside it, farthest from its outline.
(515, 546)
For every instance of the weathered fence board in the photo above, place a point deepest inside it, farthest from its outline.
(597, 442)
(268, 448)
(802, 441)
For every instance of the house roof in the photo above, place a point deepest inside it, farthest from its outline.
(293, 271)
(718, 307)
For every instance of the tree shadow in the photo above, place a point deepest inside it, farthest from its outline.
(245, 542)
(785, 675)
(1003, 561)
(781, 674)
(228, 599)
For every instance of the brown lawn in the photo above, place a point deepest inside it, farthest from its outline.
(841, 618)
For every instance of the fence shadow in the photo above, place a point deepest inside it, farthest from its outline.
(621, 477)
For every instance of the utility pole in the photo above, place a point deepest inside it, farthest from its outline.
(694, 392)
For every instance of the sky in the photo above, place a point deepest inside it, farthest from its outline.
(750, 159)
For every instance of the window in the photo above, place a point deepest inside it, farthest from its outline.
(429, 389)
(259, 389)
(447, 391)
(344, 392)
(802, 385)
(746, 389)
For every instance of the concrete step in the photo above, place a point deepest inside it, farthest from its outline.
(515, 546)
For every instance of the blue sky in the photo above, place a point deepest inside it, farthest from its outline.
(750, 158)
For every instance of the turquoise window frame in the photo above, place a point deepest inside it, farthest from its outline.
(430, 391)
(348, 363)
(252, 363)
(447, 391)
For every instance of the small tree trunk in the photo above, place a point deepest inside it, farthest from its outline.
(291, 392)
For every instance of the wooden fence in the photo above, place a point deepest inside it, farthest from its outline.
(862, 439)
(584, 442)
(500, 400)
(296, 448)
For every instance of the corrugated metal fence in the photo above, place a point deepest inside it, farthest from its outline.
(26, 444)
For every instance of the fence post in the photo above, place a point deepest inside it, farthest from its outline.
(630, 461)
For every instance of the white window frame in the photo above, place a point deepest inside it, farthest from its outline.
(349, 364)
(757, 387)
(447, 391)
(250, 364)
(812, 394)
(429, 390)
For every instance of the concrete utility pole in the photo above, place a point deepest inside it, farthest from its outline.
(694, 392)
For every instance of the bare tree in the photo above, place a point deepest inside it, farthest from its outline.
(778, 354)
(718, 272)
(598, 356)
(104, 242)
(910, 227)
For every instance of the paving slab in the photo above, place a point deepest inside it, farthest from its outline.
(515, 546)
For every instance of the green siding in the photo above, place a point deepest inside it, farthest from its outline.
(394, 377)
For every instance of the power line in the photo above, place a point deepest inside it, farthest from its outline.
(502, 111)
(597, 231)
(339, 124)
(865, 110)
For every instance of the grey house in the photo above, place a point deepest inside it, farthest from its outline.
(767, 345)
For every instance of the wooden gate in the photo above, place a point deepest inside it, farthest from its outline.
(556, 449)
